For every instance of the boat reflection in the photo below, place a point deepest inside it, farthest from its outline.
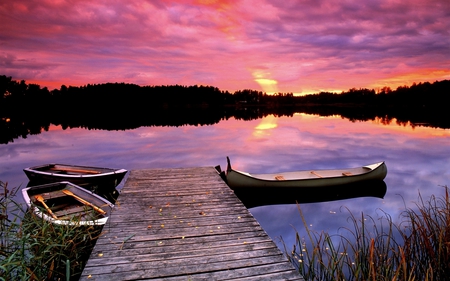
(255, 197)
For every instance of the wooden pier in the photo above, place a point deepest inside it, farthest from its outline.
(184, 224)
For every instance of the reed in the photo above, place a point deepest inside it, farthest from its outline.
(417, 248)
(34, 249)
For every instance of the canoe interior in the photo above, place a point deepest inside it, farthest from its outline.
(299, 175)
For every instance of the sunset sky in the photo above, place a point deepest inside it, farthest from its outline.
(274, 46)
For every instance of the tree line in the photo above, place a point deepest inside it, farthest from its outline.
(28, 109)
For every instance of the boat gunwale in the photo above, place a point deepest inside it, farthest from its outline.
(109, 171)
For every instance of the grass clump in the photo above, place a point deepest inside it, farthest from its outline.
(34, 249)
(417, 248)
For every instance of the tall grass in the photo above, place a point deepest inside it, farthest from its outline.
(34, 249)
(417, 248)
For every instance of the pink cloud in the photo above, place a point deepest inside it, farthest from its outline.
(302, 46)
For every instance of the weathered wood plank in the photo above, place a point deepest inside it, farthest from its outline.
(183, 224)
(198, 239)
(217, 271)
(189, 244)
(160, 233)
(192, 256)
(274, 275)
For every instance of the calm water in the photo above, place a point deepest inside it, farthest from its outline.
(418, 159)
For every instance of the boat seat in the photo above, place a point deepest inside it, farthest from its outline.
(52, 195)
(71, 211)
(347, 174)
(72, 171)
(279, 178)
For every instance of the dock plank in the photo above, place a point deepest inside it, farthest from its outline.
(183, 224)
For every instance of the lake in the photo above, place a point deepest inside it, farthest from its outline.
(417, 158)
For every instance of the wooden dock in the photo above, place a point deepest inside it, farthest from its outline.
(184, 224)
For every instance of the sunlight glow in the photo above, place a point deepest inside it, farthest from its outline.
(263, 128)
(268, 85)
(411, 129)
(266, 125)
(407, 79)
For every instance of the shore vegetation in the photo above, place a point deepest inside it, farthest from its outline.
(34, 249)
(417, 248)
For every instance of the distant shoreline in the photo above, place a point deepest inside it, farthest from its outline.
(29, 109)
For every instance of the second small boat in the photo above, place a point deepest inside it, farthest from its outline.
(317, 178)
(68, 204)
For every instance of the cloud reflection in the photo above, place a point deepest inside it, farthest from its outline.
(265, 126)
(417, 158)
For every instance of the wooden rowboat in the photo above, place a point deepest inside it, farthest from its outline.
(302, 179)
(68, 204)
(84, 176)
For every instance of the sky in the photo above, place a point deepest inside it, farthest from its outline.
(285, 46)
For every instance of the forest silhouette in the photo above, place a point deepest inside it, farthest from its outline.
(27, 109)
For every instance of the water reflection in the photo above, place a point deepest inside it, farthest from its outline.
(418, 158)
(256, 197)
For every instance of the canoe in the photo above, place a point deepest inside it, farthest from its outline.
(68, 204)
(302, 179)
(84, 176)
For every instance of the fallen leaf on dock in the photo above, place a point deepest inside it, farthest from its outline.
(126, 239)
